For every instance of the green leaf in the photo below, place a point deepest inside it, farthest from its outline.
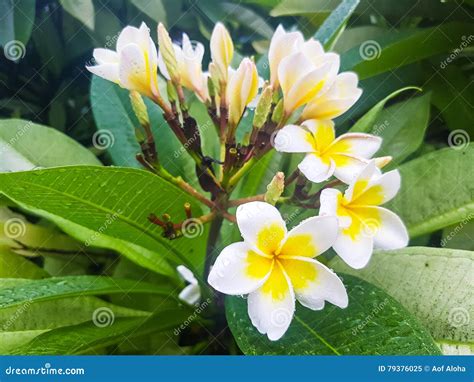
(88, 337)
(26, 145)
(459, 236)
(367, 121)
(302, 7)
(18, 17)
(333, 26)
(16, 266)
(82, 10)
(154, 9)
(60, 287)
(248, 18)
(113, 201)
(402, 127)
(437, 190)
(373, 323)
(377, 56)
(433, 284)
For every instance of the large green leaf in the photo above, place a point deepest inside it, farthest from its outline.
(437, 190)
(18, 17)
(25, 145)
(377, 56)
(88, 337)
(334, 25)
(433, 284)
(459, 236)
(373, 323)
(114, 201)
(54, 288)
(83, 10)
(402, 127)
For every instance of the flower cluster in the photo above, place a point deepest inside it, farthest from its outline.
(294, 113)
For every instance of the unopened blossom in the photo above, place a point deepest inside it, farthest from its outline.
(241, 90)
(189, 67)
(222, 50)
(134, 63)
(344, 157)
(337, 100)
(363, 223)
(191, 294)
(275, 267)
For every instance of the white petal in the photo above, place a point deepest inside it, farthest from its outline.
(109, 72)
(357, 144)
(355, 252)
(389, 184)
(271, 310)
(162, 66)
(329, 200)
(129, 35)
(392, 233)
(239, 270)
(186, 274)
(311, 237)
(261, 225)
(191, 294)
(294, 139)
(364, 177)
(105, 56)
(132, 71)
(315, 169)
(348, 167)
(313, 283)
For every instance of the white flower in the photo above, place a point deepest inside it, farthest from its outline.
(337, 100)
(133, 65)
(275, 267)
(363, 223)
(344, 157)
(242, 89)
(191, 294)
(189, 61)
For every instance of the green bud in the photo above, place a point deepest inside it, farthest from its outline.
(171, 90)
(263, 108)
(139, 108)
(275, 188)
(167, 52)
(211, 87)
(278, 112)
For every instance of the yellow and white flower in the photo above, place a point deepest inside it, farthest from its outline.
(189, 66)
(134, 63)
(337, 100)
(222, 50)
(191, 294)
(363, 223)
(274, 267)
(242, 89)
(344, 157)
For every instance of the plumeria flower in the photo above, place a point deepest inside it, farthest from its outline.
(363, 223)
(189, 62)
(222, 50)
(191, 294)
(274, 267)
(242, 89)
(133, 65)
(343, 157)
(337, 100)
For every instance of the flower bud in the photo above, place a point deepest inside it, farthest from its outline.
(263, 108)
(139, 108)
(278, 112)
(168, 53)
(222, 50)
(275, 188)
